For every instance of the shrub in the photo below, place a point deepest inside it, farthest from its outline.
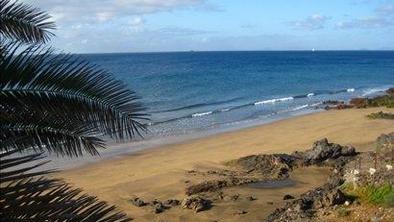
(379, 195)
(381, 115)
(389, 200)
(385, 101)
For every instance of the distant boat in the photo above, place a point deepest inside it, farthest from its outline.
(313, 49)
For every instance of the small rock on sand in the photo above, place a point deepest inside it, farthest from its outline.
(172, 202)
(240, 212)
(158, 207)
(138, 202)
(288, 197)
(251, 198)
(196, 203)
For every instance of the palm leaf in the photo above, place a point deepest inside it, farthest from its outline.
(65, 79)
(47, 98)
(29, 196)
(24, 23)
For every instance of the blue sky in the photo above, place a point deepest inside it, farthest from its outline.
(91, 26)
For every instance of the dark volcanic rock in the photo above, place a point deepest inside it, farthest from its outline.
(274, 165)
(348, 151)
(251, 198)
(385, 139)
(331, 198)
(303, 208)
(333, 102)
(323, 150)
(138, 202)
(196, 203)
(287, 197)
(158, 207)
(206, 186)
(172, 202)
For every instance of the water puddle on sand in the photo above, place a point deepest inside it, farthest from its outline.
(268, 196)
(271, 184)
(299, 177)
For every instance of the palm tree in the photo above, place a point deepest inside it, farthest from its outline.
(55, 103)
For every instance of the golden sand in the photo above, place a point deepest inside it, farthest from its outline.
(160, 172)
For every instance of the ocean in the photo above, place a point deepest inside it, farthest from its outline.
(195, 94)
(201, 92)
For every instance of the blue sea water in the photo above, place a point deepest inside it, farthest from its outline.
(188, 92)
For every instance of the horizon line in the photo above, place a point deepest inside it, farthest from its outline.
(264, 50)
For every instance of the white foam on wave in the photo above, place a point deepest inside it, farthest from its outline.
(273, 100)
(310, 94)
(225, 110)
(300, 107)
(316, 104)
(374, 90)
(201, 114)
(350, 90)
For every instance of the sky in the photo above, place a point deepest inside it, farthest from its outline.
(95, 26)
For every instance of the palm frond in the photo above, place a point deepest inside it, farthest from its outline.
(38, 86)
(29, 196)
(24, 23)
(51, 138)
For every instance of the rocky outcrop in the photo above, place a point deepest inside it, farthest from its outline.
(264, 167)
(386, 140)
(303, 208)
(267, 165)
(322, 150)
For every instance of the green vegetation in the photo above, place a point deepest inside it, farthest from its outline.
(379, 101)
(381, 115)
(378, 195)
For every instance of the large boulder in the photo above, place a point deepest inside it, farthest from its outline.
(323, 150)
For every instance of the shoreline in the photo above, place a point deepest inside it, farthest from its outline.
(160, 172)
(118, 150)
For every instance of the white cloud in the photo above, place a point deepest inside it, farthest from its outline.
(382, 17)
(365, 23)
(104, 10)
(311, 23)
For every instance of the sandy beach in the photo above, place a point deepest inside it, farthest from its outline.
(161, 172)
